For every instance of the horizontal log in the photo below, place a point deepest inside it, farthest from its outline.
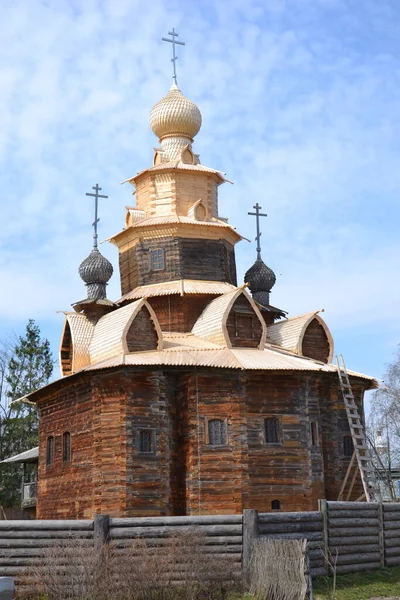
(353, 540)
(353, 531)
(357, 559)
(310, 536)
(392, 561)
(354, 568)
(353, 549)
(25, 561)
(392, 542)
(135, 532)
(391, 525)
(336, 523)
(349, 505)
(43, 543)
(289, 527)
(391, 515)
(162, 541)
(56, 535)
(344, 514)
(317, 572)
(391, 506)
(176, 521)
(315, 563)
(289, 517)
(45, 525)
(392, 551)
(393, 534)
(315, 553)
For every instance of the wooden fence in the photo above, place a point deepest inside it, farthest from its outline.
(356, 535)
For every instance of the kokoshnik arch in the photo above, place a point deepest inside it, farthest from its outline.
(190, 394)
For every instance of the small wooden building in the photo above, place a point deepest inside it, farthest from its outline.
(190, 394)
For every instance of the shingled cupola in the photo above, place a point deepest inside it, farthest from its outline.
(95, 270)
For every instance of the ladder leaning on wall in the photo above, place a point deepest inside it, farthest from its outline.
(361, 461)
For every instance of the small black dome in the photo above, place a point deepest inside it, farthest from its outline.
(260, 277)
(95, 268)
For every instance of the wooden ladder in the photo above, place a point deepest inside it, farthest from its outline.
(361, 459)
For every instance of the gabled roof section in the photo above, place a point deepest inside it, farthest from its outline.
(289, 334)
(211, 325)
(81, 329)
(109, 338)
(177, 165)
(180, 287)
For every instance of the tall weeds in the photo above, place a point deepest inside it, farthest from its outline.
(180, 566)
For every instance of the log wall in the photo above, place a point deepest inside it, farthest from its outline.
(356, 535)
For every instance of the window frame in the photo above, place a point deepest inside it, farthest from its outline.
(50, 450)
(155, 254)
(314, 434)
(66, 445)
(278, 419)
(153, 439)
(224, 421)
(347, 437)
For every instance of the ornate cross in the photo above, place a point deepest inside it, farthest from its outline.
(257, 215)
(96, 206)
(174, 57)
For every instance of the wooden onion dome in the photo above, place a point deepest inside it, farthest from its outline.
(261, 279)
(96, 271)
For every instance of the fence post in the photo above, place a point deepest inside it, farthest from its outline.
(323, 509)
(381, 534)
(101, 531)
(250, 534)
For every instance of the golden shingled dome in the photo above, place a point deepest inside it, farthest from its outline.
(175, 115)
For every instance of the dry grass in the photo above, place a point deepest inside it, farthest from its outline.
(180, 568)
(278, 569)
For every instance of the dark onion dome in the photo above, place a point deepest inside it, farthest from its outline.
(260, 277)
(261, 280)
(95, 271)
(95, 268)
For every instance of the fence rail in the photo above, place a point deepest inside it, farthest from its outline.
(355, 535)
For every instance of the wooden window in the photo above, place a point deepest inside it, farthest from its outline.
(157, 259)
(314, 433)
(217, 432)
(244, 325)
(50, 450)
(348, 447)
(272, 430)
(66, 446)
(146, 441)
(275, 505)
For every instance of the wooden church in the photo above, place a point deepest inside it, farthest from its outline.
(190, 394)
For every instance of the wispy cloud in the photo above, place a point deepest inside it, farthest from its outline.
(300, 108)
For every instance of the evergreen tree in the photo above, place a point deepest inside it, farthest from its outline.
(25, 366)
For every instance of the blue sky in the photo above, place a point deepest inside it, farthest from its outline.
(300, 102)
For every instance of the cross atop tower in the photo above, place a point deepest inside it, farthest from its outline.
(174, 58)
(257, 215)
(96, 196)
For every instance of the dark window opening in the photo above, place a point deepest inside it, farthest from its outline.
(272, 430)
(146, 441)
(217, 432)
(50, 451)
(157, 259)
(276, 505)
(66, 446)
(314, 433)
(244, 326)
(348, 447)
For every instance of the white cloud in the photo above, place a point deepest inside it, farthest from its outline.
(299, 108)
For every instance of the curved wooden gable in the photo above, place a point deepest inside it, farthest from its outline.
(75, 341)
(307, 335)
(132, 328)
(232, 320)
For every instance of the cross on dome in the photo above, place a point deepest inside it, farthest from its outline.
(174, 58)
